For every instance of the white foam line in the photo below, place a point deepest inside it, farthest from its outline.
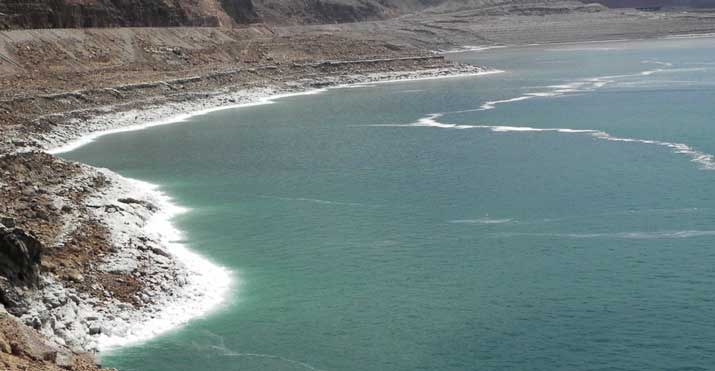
(91, 137)
(471, 48)
(556, 91)
(492, 104)
(648, 73)
(705, 160)
(585, 85)
(207, 285)
(660, 63)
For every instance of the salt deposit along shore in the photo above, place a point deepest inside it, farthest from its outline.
(173, 283)
(70, 137)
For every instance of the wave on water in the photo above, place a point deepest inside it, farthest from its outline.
(657, 235)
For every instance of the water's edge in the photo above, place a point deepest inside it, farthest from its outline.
(198, 286)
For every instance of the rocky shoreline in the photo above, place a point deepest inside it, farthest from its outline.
(107, 268)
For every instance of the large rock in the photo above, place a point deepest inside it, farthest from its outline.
(12, 298)
(20, 255)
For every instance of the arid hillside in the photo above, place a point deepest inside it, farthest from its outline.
(16, 14)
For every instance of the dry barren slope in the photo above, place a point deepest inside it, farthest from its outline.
(164, 13)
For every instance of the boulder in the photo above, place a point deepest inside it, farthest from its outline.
(12, 298)
(20, 254)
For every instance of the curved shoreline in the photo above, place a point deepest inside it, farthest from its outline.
(205, 287)
(174, 113)
(201, 286)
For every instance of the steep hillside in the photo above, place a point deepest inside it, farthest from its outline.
(111, 13)
(336, 11)
(165, 13)
(210, 13)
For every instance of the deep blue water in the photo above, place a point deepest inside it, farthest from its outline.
(366, 239)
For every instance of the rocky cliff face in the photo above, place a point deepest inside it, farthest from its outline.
(19, 254)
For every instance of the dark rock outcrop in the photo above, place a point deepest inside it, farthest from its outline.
(20, 255)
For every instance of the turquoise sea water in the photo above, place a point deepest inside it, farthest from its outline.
(380, 228)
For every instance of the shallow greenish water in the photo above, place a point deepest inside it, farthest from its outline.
(472, 242)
